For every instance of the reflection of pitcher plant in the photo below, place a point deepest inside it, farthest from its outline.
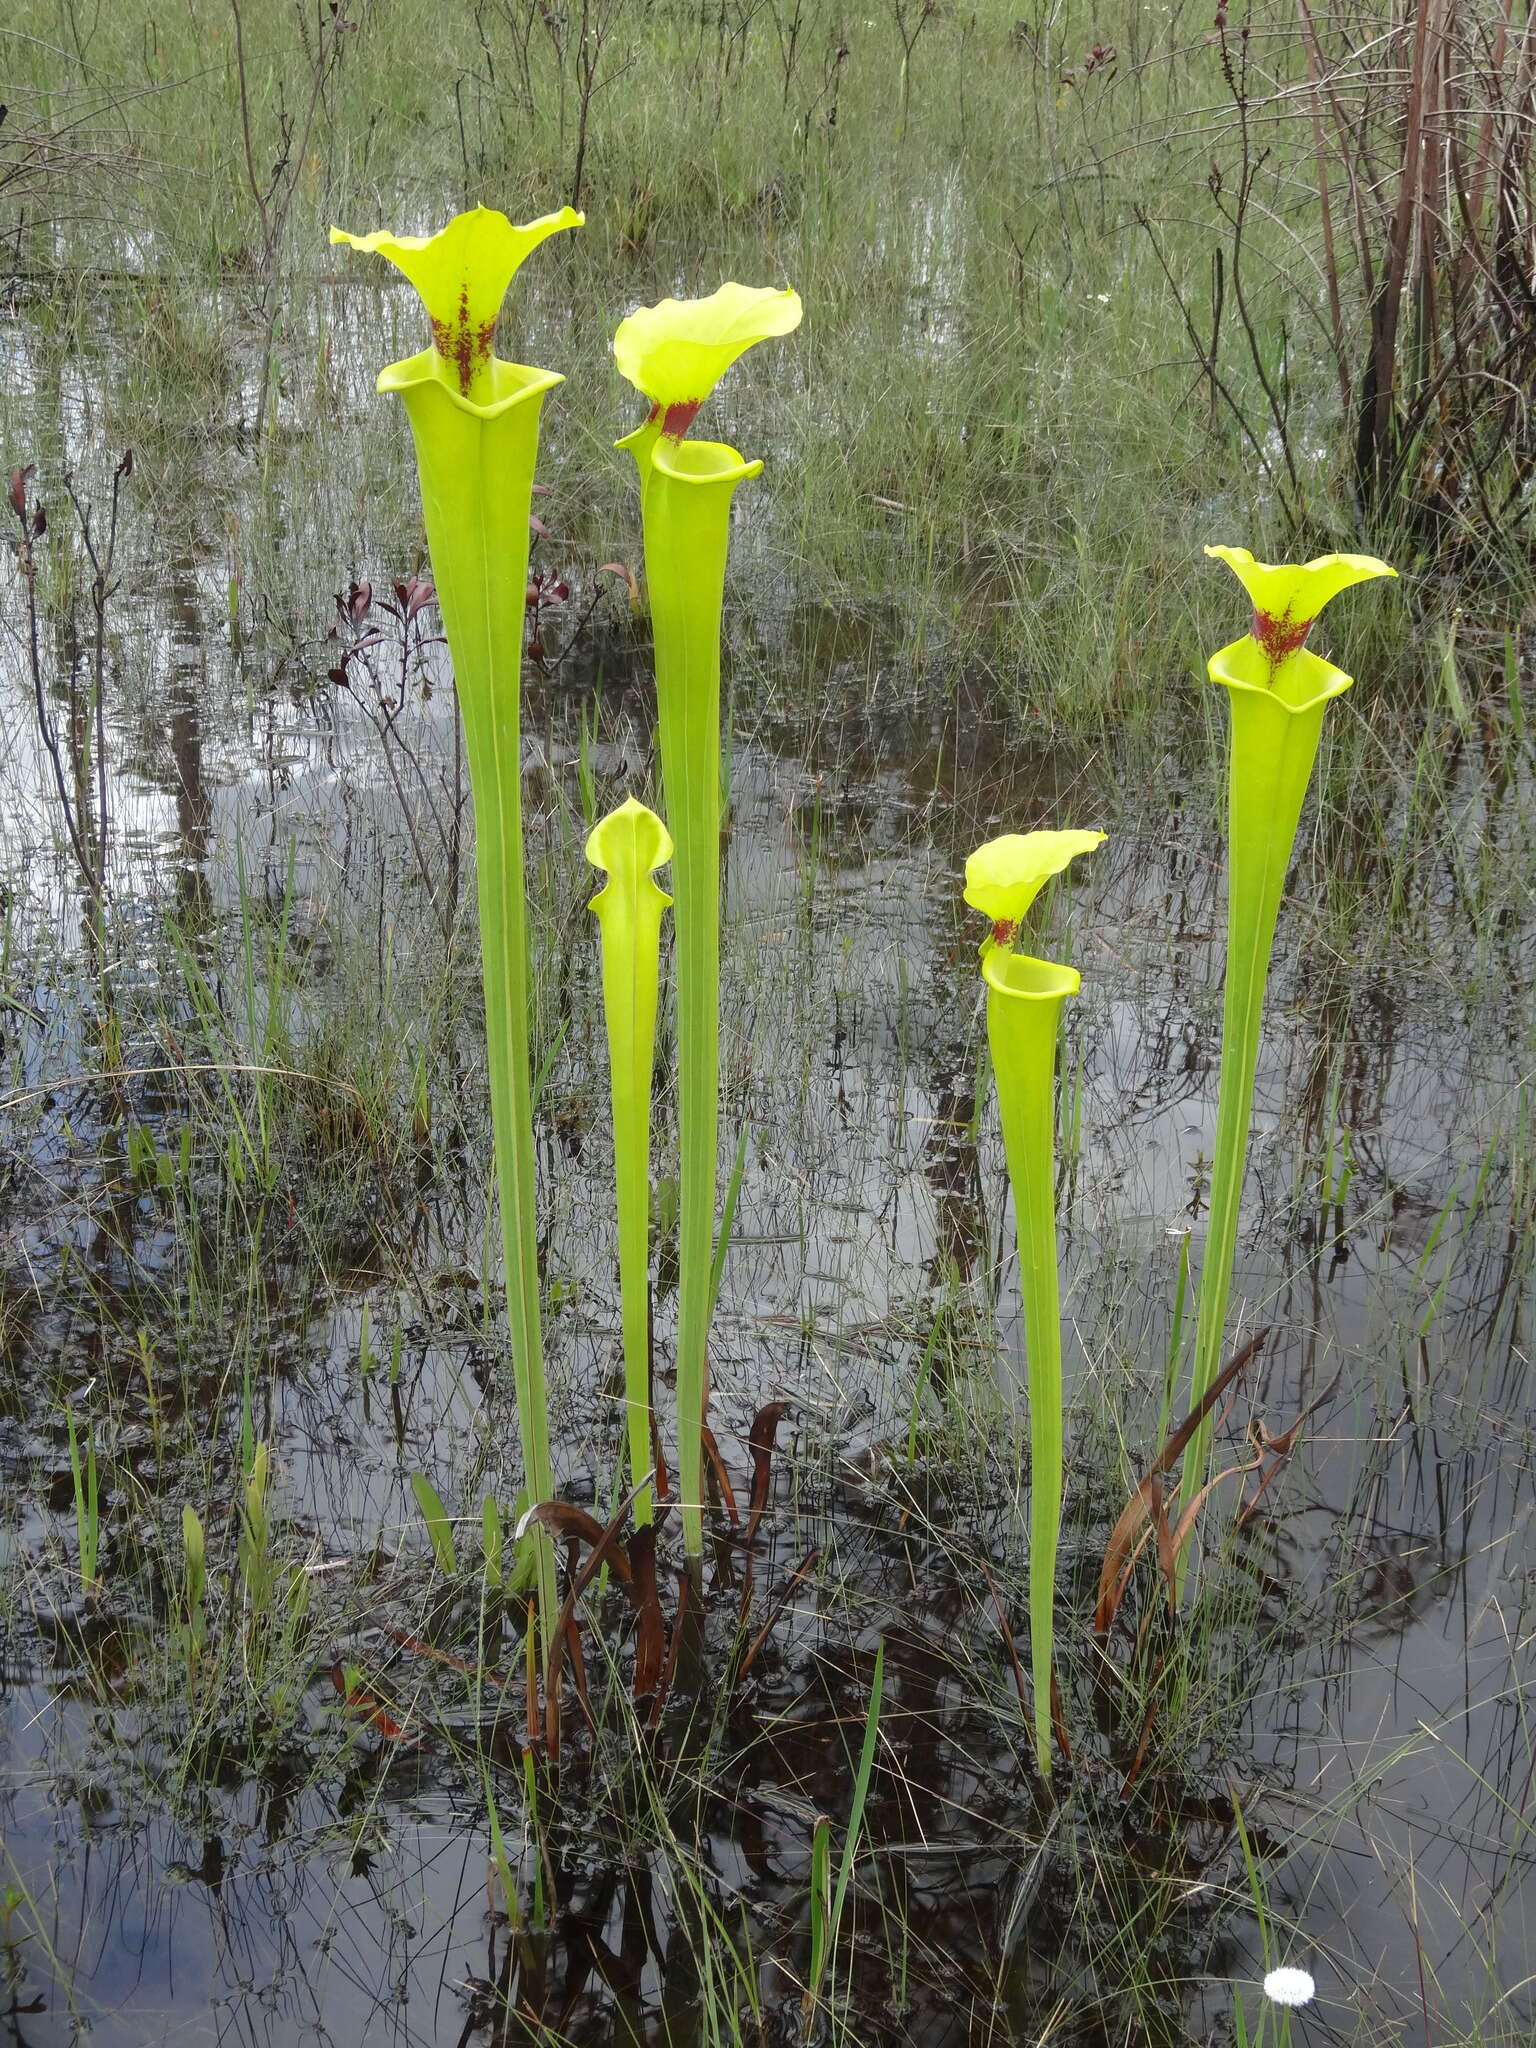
(475, 421)
(1024, 1003)
(675, 353)
(1277, 693)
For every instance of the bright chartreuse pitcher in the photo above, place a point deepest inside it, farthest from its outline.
(1024, 1005)
(1277, 693)
(675, 353)
(629, 845)
(475, 423)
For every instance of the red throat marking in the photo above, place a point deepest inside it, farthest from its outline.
(467, 348)
(678, 418)
(1279, 636)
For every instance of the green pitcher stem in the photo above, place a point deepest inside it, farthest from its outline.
(476, 462)
(504, 956)
(632, 1177)
(1273, 749)
(1024, 1004)
(686, 490)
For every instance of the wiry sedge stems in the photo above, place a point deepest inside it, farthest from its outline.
(675, 353)
(475, 423)
(1024, 1005)
(629, 844)
(1277, 693)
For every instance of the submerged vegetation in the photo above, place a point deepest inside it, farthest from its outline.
(659, 1627)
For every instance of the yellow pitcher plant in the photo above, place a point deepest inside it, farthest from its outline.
(1024, 1005)
(629, 845)
(475, 422)
(675, 353)
(1277, 693)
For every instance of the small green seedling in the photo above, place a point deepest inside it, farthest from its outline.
(439, 1527)
(87, 1497)
(194, 1581)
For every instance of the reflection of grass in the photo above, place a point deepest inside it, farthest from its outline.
(179, 370)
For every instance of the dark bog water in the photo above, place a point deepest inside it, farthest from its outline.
(291, 1843)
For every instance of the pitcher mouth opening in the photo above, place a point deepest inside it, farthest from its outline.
(702, 462)
(1299, 683)
(1016, 974)
(509, 384)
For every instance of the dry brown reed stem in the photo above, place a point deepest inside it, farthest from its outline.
(1429, 129)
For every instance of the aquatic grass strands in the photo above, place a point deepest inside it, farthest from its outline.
(1277, 693)
(475, 423)
(628, 845)
(1024, 1006)
(674, 353)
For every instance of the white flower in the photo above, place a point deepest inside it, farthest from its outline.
(1289, 1987)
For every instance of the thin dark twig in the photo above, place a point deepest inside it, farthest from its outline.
(45, 724)
(1217, 383)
